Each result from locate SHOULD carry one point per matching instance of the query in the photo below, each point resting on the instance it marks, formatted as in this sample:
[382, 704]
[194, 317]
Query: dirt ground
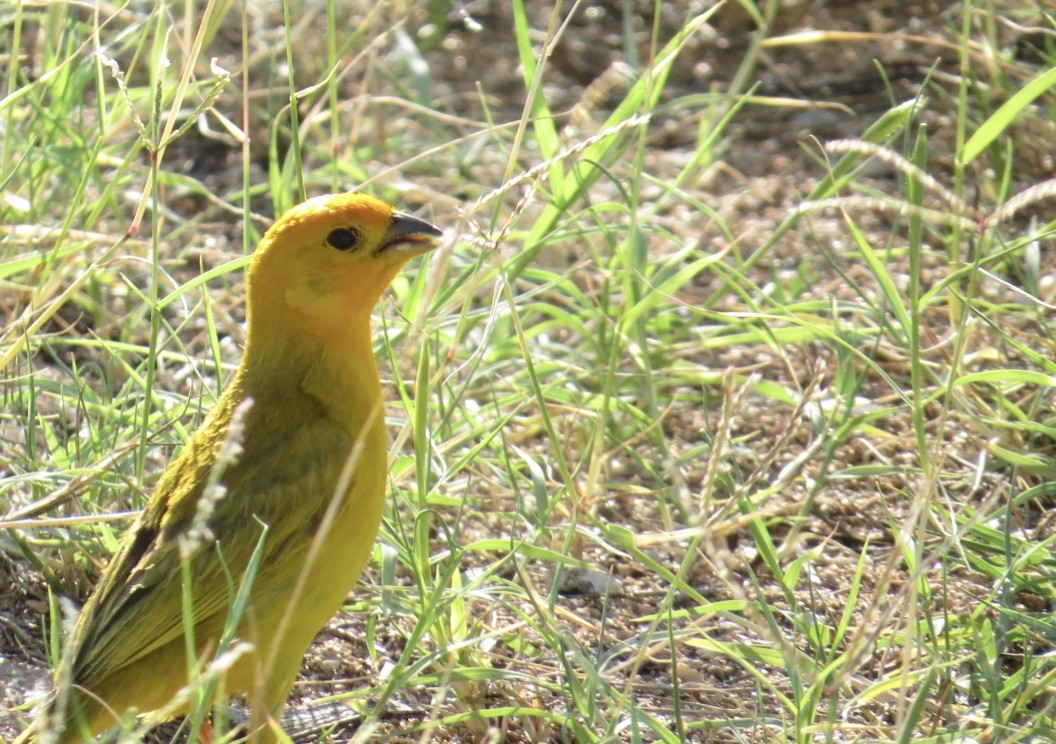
[769, 162]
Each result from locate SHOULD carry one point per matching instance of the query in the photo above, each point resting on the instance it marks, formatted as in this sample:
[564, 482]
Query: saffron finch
[307, 487]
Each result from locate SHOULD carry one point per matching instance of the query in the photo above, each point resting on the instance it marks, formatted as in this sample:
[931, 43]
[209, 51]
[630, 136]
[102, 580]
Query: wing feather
[142, 591]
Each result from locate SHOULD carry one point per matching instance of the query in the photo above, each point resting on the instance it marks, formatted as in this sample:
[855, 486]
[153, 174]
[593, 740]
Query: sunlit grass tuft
[681, 450]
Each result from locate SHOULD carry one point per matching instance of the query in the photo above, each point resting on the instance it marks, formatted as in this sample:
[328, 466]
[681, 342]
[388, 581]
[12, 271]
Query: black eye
[342, 239]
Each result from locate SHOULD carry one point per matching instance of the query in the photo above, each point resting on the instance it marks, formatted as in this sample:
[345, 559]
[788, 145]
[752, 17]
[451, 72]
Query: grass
[698, 433]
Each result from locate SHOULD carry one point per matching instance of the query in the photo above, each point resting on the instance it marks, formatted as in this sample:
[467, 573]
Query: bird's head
[321, 268]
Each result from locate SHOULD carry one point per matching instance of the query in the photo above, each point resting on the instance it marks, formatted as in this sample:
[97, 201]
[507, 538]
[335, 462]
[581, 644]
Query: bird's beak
[409, 236]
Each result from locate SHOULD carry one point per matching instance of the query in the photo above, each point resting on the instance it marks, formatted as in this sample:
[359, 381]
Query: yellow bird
[292, 458]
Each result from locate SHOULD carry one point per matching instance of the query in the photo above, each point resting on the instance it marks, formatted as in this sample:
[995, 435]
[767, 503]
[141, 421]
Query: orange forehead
[323, 213]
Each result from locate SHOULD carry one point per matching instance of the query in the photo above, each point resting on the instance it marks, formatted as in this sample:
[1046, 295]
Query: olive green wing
[138, 606]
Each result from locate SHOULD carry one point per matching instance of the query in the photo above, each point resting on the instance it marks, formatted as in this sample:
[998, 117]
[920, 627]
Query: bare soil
[769, 161]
